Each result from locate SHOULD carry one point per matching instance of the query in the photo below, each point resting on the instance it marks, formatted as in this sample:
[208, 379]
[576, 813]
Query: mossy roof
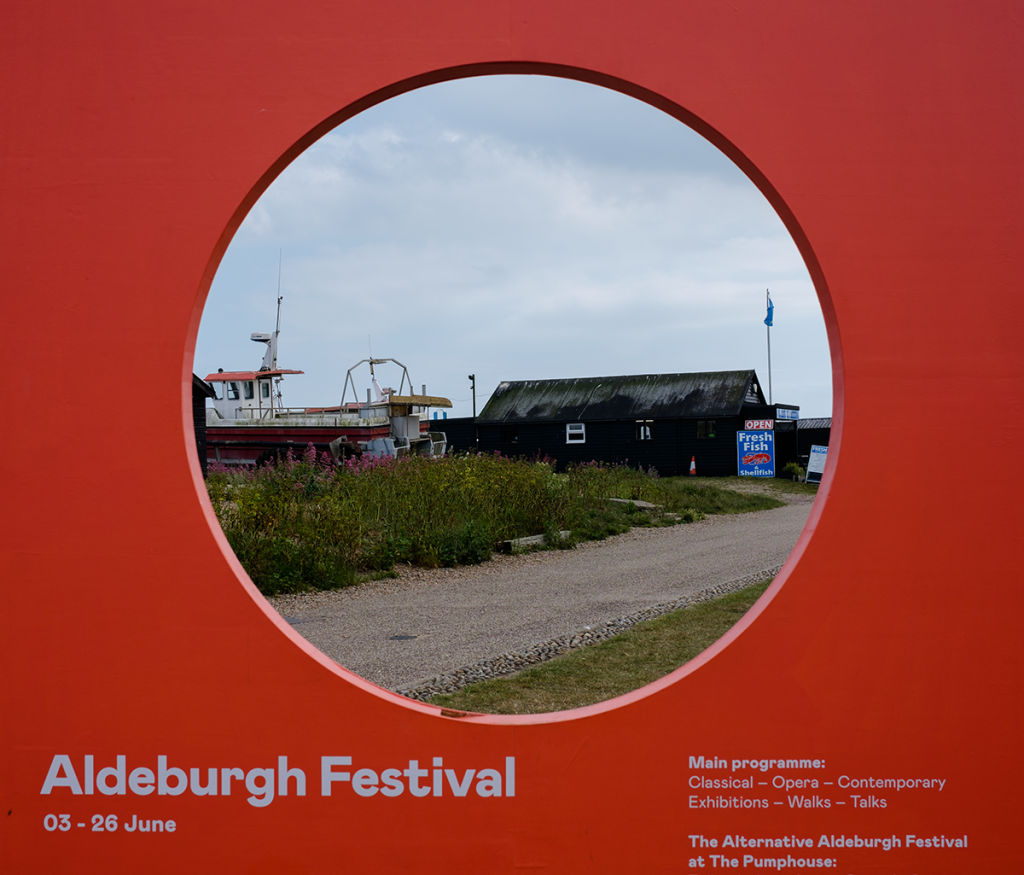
[646, 396]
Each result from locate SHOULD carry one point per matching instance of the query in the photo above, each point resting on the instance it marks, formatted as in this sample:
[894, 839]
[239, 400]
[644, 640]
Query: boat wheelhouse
[249, 420]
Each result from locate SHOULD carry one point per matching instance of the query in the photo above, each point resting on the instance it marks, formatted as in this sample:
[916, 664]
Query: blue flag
[771, 309]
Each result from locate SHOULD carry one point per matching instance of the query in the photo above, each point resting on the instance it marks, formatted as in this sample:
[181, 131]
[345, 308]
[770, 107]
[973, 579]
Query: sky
[515, 228]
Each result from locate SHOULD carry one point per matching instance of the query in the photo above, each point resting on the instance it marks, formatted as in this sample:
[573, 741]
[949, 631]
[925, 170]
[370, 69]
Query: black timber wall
[808, 437]
[199, 424]
[673, 443]
[460, 433]
[786, 444]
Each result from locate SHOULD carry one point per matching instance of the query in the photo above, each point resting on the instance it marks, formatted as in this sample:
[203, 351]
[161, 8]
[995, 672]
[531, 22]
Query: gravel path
[419, 632]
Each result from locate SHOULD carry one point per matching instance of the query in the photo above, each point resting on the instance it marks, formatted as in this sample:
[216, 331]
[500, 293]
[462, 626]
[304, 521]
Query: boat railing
[300, 416]
[266, 414]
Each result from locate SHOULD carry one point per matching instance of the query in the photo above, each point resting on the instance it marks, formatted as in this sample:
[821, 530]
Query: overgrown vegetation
[637, 657]
[306, 524]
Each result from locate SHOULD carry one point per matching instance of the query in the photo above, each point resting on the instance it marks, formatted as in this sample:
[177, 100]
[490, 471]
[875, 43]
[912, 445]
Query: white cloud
[517, 227]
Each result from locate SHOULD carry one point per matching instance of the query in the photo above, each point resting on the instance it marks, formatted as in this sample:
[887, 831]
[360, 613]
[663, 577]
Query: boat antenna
[277, 331]
[277, 328]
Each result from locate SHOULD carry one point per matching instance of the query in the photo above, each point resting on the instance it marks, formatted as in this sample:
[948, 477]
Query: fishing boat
[248, 422]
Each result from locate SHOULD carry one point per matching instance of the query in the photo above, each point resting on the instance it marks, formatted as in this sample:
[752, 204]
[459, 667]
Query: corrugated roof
[650, 396]
[825, 422]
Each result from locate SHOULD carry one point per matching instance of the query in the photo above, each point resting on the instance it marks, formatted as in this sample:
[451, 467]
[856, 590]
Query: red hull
[234, 445]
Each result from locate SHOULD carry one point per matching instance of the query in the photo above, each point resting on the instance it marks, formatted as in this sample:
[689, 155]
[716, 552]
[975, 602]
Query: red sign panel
[156, 715]
[758, 424]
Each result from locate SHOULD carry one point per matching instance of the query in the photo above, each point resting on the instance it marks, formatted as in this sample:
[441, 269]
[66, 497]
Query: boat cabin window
[247, 387]
[264, 388]
[218, 391]
[232, 391]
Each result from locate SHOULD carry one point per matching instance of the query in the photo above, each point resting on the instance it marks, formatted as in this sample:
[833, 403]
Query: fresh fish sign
[755, 453]
[816, 464]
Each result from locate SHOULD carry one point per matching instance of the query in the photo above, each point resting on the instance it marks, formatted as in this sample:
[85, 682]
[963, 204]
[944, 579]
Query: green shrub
[278, 564]
[469, 545]
[791, 470]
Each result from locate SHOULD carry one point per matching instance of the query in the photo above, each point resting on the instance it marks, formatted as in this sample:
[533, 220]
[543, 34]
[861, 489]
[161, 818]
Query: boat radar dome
[270, 357]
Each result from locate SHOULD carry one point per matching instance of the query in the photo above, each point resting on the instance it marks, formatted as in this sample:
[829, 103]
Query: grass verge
[639, 656]
[713, 496]
[766, 485]
[684, 500]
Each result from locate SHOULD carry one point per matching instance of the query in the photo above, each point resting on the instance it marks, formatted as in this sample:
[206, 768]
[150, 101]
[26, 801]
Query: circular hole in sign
[528, 313]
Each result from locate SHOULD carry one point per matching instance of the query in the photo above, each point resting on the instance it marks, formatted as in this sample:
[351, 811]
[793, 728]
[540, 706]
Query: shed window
[643, 429]
[575, 433]
[510, 434]
[247, 388]
[705, 428]
[232, 391]
[264, 388]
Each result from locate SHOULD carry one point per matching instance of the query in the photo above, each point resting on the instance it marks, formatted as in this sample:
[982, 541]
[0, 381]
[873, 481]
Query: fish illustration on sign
[756, 459]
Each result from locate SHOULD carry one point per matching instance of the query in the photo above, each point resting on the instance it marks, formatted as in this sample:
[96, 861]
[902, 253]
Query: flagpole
[768, 329]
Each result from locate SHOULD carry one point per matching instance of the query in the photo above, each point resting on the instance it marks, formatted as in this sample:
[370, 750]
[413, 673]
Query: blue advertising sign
[755, 453]
[787, 413]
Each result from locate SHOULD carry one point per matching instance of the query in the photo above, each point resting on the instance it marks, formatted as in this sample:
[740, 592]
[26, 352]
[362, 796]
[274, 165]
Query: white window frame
[575, 433]
[643, 429]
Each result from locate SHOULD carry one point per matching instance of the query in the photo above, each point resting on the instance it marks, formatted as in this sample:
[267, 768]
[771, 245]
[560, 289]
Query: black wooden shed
[201, 390]
[811, 432]
[653, 420]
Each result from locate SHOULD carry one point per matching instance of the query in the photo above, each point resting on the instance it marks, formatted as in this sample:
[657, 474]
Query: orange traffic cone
[693, 466]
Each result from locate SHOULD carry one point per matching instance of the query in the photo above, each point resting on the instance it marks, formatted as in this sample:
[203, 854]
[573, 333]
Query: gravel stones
[516, 660]
[518, 609]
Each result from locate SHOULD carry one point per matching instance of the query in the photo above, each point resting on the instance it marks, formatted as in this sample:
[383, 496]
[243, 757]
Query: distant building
[659, 420]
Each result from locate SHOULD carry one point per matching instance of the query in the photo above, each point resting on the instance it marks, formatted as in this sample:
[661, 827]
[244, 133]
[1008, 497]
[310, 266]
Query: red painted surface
[224, 376]
[887, 135]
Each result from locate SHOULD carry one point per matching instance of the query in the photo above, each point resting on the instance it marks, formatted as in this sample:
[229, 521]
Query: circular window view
[517, 394]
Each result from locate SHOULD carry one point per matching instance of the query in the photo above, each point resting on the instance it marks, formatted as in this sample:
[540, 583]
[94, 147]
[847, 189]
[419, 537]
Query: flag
[771, 309]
